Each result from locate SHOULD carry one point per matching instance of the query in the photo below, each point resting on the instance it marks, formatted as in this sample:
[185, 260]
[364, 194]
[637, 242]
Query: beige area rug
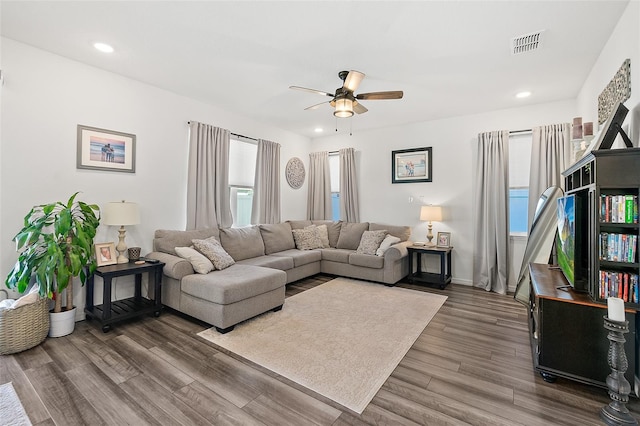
[11, 410]
[341, 339]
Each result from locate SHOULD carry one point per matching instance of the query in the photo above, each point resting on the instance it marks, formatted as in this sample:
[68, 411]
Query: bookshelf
[608, 183]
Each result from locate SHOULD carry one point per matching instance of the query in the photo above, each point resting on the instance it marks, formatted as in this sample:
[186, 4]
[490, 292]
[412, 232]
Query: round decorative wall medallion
[295, 172]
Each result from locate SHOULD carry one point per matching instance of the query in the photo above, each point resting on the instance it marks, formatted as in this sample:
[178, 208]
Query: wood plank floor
[471, 365]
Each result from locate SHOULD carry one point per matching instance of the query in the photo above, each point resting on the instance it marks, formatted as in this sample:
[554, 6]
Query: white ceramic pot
[62, 323]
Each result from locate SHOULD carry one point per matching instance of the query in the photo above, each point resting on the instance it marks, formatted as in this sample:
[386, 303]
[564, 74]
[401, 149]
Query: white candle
[616, 309]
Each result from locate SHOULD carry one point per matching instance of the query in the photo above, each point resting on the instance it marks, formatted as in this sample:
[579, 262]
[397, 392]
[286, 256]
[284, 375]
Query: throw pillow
[351, 234]
[201, 264]
[324, 235]
[306, 239]
[214, 251]
[388, 241]
[370, 242]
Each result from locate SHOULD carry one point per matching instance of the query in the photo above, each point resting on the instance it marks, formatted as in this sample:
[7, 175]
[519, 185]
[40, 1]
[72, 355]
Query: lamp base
[122, 247]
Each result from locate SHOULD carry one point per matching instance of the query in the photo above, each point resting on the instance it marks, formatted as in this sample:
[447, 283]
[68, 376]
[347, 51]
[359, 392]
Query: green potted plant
[55, 245]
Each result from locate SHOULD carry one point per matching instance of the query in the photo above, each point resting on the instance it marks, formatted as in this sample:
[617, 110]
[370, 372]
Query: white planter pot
[62, 323]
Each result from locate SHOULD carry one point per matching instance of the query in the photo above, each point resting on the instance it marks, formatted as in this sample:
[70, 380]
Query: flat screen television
[571, 227]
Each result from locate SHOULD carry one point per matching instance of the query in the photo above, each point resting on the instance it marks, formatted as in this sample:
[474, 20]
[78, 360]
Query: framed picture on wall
[411, 165]
[106, 254]
[100, 149]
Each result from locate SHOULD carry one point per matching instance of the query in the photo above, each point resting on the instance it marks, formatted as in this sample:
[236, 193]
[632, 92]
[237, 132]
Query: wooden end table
[119, 310]
[441, 279]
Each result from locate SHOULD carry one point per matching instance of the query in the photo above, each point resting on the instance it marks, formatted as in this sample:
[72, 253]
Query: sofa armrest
[174, 266]
[397, 251]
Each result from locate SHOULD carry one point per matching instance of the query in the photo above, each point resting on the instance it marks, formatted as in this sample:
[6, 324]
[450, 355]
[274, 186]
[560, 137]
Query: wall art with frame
[411, 165]
[101, 149]
[444, 239]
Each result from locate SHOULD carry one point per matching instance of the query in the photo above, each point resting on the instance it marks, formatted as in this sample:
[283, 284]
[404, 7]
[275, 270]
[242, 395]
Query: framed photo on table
[108, 150]
[106, 254]
[411, 165]
[444, 239]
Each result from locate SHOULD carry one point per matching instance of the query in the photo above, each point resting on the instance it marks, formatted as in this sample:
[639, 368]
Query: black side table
[119, 310]
[441, 279]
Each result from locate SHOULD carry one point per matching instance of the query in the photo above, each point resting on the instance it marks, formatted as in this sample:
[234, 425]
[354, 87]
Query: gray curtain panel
[208, 202]
[266, 189]
[319, 197]
[491, 212]
[550, 156]
[349, 206]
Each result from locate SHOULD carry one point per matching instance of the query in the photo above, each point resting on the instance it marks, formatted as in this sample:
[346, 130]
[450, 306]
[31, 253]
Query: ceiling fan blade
[358, 108]
[397, 94]
[353, 80]
[316, 106]
[304, 89]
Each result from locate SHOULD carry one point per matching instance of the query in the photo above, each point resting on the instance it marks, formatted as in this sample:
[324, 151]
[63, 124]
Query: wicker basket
[24, 327]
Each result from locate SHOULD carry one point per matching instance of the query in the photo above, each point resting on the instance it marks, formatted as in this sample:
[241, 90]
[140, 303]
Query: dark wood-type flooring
[471, 365]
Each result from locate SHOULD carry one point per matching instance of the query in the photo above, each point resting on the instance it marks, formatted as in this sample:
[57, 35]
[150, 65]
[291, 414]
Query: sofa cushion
[301, 257]
[201, 264]
[388, 241]
[333, 230]
[214, 251]
[270, 261]
[236, 283]
[350, 235]
[299, 224]
[336, 255]
[368, 261]
[307, 238]
[167, 240]
[370, 242]
[277, 237]
[402, 232]
[242, 243]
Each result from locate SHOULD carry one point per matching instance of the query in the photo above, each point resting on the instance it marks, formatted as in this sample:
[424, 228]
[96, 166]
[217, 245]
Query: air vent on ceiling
[527, 43]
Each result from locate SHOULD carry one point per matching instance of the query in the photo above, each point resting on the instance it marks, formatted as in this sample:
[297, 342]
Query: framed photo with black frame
[411, 165]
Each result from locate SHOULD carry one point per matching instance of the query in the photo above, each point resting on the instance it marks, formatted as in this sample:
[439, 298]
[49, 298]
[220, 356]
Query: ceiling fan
[344, 100]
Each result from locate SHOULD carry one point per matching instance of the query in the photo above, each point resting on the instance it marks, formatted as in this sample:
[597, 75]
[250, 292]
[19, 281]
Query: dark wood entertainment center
[566, 326]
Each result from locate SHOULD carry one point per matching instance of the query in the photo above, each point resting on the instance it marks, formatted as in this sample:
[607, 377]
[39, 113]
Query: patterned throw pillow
[215, 252]
[306, 239]
[201, 264]
[370, 242]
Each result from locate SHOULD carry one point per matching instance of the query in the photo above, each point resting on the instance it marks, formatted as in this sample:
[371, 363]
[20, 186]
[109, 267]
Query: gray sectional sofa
[266, 259]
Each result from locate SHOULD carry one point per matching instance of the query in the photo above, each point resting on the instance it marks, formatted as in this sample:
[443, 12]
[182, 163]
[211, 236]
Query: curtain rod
[521, 131]
[237, 135]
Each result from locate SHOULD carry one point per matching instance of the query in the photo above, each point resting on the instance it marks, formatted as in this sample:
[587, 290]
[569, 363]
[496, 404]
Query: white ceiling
[449, 57]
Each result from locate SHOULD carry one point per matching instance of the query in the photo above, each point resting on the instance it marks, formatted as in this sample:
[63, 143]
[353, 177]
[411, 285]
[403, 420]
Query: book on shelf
[617, 247]
[619, 208]
[623, 285]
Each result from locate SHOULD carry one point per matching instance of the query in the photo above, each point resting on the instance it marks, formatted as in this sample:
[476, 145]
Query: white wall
[624, 43]
[453, 141]
[46, 96]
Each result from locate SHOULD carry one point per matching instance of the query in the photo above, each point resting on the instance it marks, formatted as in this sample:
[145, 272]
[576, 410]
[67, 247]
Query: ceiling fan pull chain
[351, 126]
[336, 124]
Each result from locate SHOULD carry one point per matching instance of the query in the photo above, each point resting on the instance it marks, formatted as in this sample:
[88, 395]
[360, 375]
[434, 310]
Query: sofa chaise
[265, 258]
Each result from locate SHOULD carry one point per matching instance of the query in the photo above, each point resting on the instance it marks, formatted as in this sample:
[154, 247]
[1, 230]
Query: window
[519, 165]
[334, 172]
[242, 171]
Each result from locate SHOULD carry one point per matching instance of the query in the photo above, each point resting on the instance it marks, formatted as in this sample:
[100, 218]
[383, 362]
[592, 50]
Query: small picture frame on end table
[444, 239]
[106, 254]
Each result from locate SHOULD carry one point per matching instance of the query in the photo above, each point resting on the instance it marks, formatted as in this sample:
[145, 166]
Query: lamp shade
[431, 213]
[120, 213]
[344, 108]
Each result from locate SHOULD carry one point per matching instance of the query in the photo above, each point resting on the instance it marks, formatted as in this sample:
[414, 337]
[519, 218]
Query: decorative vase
[62, 323]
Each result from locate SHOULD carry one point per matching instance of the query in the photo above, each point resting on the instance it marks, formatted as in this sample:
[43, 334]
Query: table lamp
[431, 213]
[123, 214]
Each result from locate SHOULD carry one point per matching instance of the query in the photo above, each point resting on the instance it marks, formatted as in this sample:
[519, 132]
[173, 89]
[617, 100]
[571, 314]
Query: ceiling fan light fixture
[344, 108]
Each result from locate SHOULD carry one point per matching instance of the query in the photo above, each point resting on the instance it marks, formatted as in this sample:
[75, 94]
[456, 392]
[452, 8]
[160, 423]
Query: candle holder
[616, 413]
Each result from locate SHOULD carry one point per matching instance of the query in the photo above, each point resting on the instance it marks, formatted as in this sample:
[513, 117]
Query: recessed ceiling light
[318, 130]
[103, 47]
[522, 95]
